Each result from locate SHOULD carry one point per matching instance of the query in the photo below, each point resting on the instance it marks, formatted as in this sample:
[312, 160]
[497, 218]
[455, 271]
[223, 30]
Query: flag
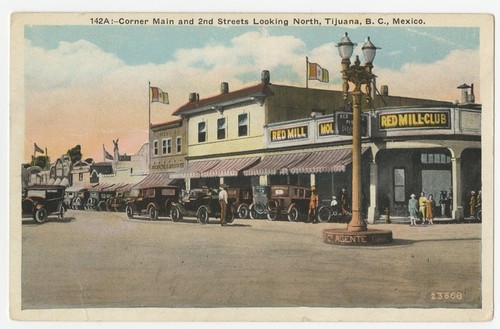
[316, 72]
[38, 149]
[158, 95]
[106, 154]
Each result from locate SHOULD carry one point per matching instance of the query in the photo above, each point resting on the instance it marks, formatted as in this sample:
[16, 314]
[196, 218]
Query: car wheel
[40, 215]
[130, 211]
[293, 214]
[243, 211]
[61, 213]
[153, 213]
[479, 215]
[253, 214]
[324, 214]
[175, 214]
[259, 208]
[272, 215]
[202, 215]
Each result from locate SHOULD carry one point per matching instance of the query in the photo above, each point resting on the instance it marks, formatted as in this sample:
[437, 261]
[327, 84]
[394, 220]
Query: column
[456, 171]
[373, 213]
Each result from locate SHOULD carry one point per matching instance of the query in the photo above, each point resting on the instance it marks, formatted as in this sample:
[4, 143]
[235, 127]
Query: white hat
[412, 196]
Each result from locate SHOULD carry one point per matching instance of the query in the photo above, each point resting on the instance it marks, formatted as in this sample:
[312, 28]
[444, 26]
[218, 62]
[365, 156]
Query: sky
[88, 84]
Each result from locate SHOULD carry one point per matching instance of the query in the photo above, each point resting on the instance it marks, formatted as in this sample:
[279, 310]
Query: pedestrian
[313, 205]
[413, 209]
[421, 206]
[472, 204]
[343, 204]
[223, 204]
[429, 206]
[442, 201]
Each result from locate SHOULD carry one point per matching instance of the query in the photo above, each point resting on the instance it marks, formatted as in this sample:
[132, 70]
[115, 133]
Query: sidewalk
[406, 220]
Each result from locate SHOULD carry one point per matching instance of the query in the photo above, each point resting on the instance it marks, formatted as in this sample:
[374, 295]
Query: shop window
[155, 147]
[435, 158]
[202, 132]
[399, 185]
[178, 144]
[221, 128]
[243, 124]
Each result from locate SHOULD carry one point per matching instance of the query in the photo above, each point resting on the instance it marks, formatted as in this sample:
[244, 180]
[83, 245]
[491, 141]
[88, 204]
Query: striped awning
[154, 180]
[325, 161]
[276, 164]
[194, 169]
[100, 187]
[230, 167]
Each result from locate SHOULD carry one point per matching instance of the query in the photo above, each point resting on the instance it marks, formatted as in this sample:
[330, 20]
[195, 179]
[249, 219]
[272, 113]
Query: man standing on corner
[223, 205]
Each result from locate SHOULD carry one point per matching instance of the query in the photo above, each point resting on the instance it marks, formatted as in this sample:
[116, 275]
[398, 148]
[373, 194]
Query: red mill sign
[286, 134]
[414, 120]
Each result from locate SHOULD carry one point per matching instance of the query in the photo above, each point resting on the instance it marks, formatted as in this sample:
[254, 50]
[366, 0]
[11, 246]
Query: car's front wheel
[40, 215]
[175, 214]
[153, 213]
[130, 211]
[202, 215]
[293, 214]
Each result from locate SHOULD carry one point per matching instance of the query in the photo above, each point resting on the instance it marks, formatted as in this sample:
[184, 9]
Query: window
[166, 146]
[80, 177]
[178, 144]
[243, 124]
[399, 185]
[221, 128]
[155, 147]
[431, 158]
[202, 132]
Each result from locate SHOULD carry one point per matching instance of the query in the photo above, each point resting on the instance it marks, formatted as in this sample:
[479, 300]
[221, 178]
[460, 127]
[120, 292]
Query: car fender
[292, 205]
[180, 206]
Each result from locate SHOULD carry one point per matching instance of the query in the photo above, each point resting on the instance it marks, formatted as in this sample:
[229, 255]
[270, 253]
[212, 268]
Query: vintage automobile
[80, 199]
[202, 203]
[153, 202]
[260, 198]
[123, 195]
[41, 201]
[240, 199]
[99, 197]
[289, 200]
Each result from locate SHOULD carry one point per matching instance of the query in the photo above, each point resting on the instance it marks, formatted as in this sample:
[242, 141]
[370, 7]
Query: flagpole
[307, 81]
[149, 122]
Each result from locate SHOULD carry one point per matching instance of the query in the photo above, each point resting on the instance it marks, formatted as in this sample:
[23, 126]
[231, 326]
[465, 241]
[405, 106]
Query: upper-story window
[155, 147]
[243, 124]
[202, 132]
[221, 128]
[167, 146]
[435, 158]
[178, 144]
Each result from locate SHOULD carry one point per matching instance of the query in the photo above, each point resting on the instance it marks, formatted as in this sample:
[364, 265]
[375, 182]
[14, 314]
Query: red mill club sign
[414, 120]
[287, 134]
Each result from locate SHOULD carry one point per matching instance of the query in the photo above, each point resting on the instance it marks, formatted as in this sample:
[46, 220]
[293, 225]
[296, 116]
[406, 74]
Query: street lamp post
[359, 75]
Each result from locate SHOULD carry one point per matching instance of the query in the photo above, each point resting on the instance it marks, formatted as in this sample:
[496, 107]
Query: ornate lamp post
[358, 75]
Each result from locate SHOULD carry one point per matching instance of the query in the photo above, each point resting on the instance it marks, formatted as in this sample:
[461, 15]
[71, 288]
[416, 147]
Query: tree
[41, 161]
[75, 153]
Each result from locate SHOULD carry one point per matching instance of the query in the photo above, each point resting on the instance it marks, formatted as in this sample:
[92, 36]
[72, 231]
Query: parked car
[42, 201]
[202, 203]
[260, 198]
[153, 201]
[240, 199]
[123, 195]
[80, 199]
[289, 200]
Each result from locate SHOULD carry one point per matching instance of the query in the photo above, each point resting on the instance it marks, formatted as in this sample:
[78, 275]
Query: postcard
[251, 167]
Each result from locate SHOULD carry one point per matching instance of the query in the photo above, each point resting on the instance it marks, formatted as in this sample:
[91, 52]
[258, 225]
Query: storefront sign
[344, 124]
[326, 128]
[286, 134]
[414, 120]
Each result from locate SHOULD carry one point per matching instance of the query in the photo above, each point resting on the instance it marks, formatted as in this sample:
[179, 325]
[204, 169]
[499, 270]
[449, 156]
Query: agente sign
[286, 134]
[414, 120]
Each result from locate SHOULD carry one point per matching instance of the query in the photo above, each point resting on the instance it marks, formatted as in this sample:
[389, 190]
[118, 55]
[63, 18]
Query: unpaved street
[101, 259]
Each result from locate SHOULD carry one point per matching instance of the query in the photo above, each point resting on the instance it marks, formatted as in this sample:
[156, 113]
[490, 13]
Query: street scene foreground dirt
[102, 259]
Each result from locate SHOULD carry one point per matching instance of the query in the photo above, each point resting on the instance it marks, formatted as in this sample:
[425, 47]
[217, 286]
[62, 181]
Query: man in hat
[223, 204]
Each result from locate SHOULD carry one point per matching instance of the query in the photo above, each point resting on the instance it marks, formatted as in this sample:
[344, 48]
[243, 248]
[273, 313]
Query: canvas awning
[325, 161]
[154, 180]
[229, 167]
[276, 164]
[194, 169]
[100, 187]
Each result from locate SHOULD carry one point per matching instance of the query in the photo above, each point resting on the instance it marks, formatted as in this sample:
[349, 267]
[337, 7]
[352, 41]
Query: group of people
[421, 208]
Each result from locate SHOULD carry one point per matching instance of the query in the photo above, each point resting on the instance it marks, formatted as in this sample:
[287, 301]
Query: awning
[325, 161]
[194, 169]
[230, 167]
[154, 180]
[100, 187]
[276, 164]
